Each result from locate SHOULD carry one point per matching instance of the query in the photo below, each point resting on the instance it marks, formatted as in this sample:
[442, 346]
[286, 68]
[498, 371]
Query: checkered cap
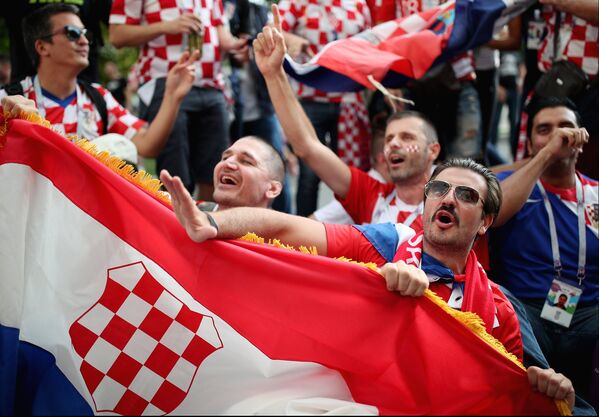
[159, 55]
[321, 22]
[353, 137]
[140, 345]
[578, 41]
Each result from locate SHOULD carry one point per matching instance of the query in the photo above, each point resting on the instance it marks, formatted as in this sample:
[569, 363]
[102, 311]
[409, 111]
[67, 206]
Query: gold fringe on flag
[471, 320]
[140, 178]
[151, 185]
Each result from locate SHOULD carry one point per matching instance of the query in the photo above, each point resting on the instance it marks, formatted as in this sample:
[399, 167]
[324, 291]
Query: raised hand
[567, 141]
[180, 78]
[269, 46]
[195, 222]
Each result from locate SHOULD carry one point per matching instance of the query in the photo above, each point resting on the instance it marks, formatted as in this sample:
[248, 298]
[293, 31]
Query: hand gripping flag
[106, 306]
[405, 48]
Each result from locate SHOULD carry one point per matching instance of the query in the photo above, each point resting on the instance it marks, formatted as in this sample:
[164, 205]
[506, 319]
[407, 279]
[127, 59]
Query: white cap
[117, 145]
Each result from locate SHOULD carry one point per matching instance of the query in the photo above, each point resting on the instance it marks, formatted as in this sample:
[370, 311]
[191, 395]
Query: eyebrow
[244, 153]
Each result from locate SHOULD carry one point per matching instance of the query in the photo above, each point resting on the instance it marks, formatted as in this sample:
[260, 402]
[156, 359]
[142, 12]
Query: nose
[449, 199]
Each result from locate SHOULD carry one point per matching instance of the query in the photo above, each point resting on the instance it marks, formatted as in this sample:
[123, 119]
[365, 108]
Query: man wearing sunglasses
[58, 47]
[546, 240]
[461, 201]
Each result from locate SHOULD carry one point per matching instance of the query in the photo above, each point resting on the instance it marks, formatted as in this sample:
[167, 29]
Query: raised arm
[562, 143]
[269, 50]
[121, 35]
[150, 141]
[236, 222]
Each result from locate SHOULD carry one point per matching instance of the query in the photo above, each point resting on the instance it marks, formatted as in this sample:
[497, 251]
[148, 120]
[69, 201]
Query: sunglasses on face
[73, 33]
[436, 189]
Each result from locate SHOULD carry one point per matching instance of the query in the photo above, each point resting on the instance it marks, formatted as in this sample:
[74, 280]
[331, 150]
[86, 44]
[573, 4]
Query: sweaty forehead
[249, 147]
[408, 124]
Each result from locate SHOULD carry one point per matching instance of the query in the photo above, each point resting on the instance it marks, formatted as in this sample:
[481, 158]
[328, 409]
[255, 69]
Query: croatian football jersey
[371, 201]
[578, 42]
[64, 117]
[322, 22]
[160, 54]
[521, 257]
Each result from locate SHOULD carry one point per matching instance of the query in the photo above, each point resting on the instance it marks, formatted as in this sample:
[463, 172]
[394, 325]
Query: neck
[561, 174]
[60, 84]
[411, 191]
[454, 259]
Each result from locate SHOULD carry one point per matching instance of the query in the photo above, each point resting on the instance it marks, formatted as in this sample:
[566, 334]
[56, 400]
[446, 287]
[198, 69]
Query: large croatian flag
[402, 49]
[106, 306]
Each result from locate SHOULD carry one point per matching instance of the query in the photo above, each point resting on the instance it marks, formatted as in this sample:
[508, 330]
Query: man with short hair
[411, 147]
[547, 238]
[250, 174]
[56, 42]
[462, 200]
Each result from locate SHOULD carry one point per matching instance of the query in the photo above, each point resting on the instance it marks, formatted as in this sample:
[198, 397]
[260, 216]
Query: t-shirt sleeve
[120, 120]
[347, 241]
[126, 12]
[362, 195]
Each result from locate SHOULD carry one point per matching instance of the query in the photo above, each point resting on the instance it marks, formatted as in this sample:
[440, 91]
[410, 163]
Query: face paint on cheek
[412, 148]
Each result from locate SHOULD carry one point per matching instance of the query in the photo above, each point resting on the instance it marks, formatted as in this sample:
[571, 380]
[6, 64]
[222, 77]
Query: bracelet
[212, 221]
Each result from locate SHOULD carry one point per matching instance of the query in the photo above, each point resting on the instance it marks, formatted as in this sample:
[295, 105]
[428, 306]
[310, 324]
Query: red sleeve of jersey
[362, 195]
[508, 331]
[346, 240]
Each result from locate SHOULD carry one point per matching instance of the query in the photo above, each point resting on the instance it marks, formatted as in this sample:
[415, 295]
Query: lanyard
[582, 237]
[81, 120]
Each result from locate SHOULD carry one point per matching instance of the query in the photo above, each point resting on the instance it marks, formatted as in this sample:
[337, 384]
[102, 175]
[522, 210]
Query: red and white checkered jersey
[463, 64]
[577, 42]
[321, 22]
[371, 201]
[65, 119]
[353, 132]
[159, 55]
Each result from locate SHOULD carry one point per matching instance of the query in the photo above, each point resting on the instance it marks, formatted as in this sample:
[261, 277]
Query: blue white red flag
[106, 306]
[405, 48]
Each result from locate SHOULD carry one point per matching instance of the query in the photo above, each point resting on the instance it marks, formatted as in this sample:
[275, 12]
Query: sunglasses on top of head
[436, 189]
[72, 33]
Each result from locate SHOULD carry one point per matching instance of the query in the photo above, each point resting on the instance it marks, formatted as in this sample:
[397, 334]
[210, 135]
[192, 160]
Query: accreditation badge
[561, 302]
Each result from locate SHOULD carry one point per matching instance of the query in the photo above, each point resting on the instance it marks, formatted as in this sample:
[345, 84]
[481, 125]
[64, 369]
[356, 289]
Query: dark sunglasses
[73, 33]
[436, 189]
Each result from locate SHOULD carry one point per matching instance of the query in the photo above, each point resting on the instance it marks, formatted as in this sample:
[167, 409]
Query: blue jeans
[533, 355]
[468, 140]
[324, 118]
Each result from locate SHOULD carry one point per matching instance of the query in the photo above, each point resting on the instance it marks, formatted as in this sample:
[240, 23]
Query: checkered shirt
[321, 22]
[159, 55]
[578, 42]
[353, 132]
[140, 345]
[463, 64]
[64, 119]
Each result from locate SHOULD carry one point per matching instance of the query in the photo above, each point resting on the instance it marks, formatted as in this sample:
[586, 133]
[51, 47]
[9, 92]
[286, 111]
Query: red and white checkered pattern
[141, 346]
[578, 42]
[159, 55]
[354, 133]
[64, 119]
[321, 22]
[463, 64]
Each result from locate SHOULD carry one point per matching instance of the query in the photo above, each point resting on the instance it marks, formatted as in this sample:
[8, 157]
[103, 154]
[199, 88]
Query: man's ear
[274, 189]
[435, 149]
[487, 222]
[41, 47]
